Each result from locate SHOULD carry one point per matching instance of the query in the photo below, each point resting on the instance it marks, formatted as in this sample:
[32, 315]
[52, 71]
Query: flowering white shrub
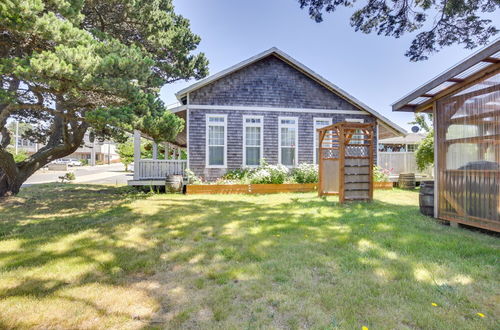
[381, 174]
[306, 173]
[191, 177]
[269, 174]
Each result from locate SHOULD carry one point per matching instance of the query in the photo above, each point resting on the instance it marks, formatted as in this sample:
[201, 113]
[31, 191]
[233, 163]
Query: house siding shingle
[197, 137]
[269, 82]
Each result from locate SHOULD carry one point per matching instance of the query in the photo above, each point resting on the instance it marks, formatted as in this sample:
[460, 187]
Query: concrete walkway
[100, 174]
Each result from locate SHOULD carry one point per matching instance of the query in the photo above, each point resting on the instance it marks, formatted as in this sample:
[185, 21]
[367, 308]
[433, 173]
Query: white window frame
[315, 133]
[296, 126]
[208, 123]
[355, 120]
[261, 126]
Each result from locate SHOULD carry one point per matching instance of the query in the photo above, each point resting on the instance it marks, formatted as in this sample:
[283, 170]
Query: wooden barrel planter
[406, 181]
[426, 198]
[173, 183]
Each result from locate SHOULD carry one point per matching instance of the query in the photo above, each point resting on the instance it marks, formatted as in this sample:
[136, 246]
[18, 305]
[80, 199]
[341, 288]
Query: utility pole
[17, 135]
[92, 154]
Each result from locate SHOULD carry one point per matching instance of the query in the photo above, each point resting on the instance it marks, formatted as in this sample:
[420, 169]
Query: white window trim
[355, 120]
[245, 125]
[207, 124]
[316, 132]
[296, 126]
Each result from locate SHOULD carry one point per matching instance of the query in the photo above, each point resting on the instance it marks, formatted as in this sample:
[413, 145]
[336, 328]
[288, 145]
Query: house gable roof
[300, 67]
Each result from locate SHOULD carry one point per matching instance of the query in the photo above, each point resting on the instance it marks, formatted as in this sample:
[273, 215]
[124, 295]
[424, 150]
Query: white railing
[152, 169]
[401, 162]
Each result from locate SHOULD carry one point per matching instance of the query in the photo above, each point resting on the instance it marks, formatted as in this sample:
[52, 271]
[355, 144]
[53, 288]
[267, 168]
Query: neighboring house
[465, 102]
[267, 107]
[105, 152]
[397, 154]
[406, 143]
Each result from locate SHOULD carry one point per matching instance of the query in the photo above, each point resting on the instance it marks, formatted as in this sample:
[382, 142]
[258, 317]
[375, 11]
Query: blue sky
[370, 67]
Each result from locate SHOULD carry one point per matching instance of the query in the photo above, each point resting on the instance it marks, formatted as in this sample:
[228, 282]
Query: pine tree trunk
[9, 188]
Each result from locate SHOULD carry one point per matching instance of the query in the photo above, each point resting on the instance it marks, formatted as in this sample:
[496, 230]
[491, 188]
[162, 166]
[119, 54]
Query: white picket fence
[151, 169]
[401, 162]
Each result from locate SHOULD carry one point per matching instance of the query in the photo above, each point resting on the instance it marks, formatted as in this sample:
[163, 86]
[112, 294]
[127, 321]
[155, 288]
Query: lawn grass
[81, 256]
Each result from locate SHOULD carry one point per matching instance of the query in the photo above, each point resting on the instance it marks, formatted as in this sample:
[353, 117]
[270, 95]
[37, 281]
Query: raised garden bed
[382, 185]
[193, 189]
[250, 188]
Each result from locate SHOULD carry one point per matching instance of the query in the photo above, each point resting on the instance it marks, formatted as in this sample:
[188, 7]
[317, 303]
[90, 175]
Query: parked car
[68, 161]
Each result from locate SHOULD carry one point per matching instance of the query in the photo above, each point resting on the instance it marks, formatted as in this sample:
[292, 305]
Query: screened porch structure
[346, 159]
[465, 102]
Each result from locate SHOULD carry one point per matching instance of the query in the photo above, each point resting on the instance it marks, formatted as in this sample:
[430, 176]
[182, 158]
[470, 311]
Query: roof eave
[404, 104]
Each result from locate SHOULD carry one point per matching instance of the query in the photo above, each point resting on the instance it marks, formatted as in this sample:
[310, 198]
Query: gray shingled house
[267, 107]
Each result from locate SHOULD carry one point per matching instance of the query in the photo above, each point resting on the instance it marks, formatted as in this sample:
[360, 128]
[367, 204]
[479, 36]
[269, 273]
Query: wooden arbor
[346, 161]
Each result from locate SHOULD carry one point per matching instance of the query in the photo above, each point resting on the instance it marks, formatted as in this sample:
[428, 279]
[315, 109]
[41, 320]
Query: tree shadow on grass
[236, 261]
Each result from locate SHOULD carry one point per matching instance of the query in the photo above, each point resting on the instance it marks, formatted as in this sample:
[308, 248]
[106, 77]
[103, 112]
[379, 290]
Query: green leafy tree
[20, 156]
[441, 22]
[70, 66]
[425, 152]
[421, 121]
[126, 152]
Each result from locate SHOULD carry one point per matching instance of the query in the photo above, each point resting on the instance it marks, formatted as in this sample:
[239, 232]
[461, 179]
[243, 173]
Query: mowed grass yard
[81, 256]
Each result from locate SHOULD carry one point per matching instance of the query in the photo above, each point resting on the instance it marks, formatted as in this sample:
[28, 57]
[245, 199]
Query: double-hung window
[288, 141]
[253, 138]
[356, 138]
[216, 138]
[319, 123]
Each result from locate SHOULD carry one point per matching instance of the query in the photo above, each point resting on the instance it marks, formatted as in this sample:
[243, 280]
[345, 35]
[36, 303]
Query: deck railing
[153, 169]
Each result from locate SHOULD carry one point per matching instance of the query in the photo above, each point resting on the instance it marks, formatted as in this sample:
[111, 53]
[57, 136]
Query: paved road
[101, 174]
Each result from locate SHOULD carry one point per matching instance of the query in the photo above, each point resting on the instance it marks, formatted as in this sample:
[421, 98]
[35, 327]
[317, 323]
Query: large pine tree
[440, 22]
[70, 66]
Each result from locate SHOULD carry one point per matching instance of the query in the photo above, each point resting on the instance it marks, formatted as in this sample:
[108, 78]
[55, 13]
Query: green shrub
[21, 154]
[425, 152]
[126, 153]
[240, 174]
[380, 174]
[191, 177]
[70, 176]
[306, 173]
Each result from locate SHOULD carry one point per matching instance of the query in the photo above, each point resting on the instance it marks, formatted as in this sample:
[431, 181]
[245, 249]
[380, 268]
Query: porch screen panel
[468, 135]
